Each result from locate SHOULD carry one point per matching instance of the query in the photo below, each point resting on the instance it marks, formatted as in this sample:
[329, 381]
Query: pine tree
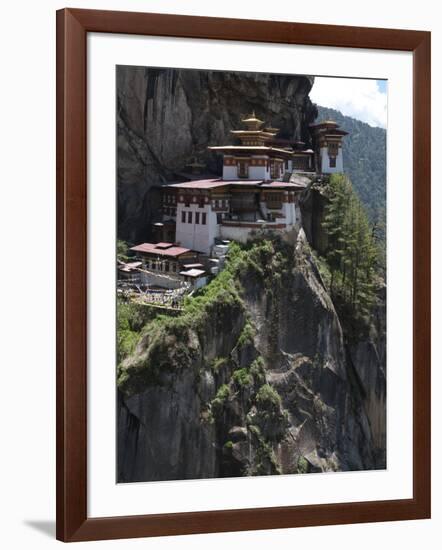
[352, 254]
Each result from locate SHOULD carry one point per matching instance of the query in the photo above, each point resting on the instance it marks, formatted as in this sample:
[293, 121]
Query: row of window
[170, 199]
[169, 211]
[188, 199]
[276, 169]
[221, 203]
[158, 265]
[200, 217]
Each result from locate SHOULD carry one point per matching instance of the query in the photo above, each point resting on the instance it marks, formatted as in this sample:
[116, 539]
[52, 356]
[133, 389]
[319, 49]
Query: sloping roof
[172, 251]
[212, 184]
[255, 148]
[127, 268]
[193, 272]
[324, 123]
[198, 184]
[190, 266]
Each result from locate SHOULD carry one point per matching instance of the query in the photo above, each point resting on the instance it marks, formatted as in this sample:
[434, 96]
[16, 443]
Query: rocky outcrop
[313, 205]
[256, 380]
[165, 117]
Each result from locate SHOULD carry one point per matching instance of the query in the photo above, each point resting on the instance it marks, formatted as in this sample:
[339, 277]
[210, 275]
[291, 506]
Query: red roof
[210, 184]
[199, 184]
[149, 248]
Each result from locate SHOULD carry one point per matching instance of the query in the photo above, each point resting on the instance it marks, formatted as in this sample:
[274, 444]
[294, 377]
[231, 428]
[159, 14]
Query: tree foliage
[364, 152]
[352, 252]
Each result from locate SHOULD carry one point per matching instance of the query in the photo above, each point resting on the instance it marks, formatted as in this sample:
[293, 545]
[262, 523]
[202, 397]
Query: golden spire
[252, 122]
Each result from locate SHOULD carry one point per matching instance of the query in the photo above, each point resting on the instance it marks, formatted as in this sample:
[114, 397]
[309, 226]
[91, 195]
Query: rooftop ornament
[252, 122]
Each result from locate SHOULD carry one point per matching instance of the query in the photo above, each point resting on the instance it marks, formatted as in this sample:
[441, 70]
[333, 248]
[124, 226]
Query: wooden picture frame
[73, 523]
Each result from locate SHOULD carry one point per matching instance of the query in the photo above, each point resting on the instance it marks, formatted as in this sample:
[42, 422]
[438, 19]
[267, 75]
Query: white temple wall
[169, 282]
[288, 209]
[257, 172]
[232, 233]
[196, 236]
[230, 172]
[263, 208]
[325, 162]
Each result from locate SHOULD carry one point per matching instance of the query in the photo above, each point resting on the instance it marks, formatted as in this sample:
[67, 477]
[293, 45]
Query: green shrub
[267, 398]
[247, 335]
[218, 363]
[122, 250]
[242, 378]
[257, 370]
[218, 403]
[302, 467]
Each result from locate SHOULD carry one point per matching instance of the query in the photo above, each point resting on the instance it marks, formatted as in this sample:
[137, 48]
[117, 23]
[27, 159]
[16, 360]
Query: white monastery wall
[288, 209]
[325, 162]
[239, 234]
[165, 282]
[196, 236]
[257, 172]
[230, 173]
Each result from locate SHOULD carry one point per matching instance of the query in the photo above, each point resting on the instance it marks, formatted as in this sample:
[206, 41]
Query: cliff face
[257, 379]
[165, 117]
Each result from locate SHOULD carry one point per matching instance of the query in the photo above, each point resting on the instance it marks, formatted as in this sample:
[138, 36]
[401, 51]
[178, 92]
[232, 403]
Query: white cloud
[355, 97]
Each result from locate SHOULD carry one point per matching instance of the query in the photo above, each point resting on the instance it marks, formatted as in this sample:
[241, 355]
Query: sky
[359, 98]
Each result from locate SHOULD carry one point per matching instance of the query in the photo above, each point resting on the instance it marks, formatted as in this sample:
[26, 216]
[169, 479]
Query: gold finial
[252, 121]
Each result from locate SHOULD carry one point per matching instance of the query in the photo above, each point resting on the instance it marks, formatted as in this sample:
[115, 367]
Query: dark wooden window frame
[73, 524]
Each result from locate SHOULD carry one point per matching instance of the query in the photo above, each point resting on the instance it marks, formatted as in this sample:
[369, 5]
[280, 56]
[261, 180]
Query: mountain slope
[254, 378]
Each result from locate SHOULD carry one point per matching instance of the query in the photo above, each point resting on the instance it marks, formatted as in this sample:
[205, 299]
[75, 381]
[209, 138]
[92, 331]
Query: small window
[183, 216]
[204, 218]
[197, 217]
[189, 218]
[219, 218]
[332, 162]
[243, 169]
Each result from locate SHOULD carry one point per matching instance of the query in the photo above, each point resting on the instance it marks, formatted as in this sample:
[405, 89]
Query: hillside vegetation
[256, 375]
[364, 153]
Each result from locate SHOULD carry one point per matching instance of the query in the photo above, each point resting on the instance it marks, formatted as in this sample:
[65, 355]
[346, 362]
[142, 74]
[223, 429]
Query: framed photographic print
[243, 282]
